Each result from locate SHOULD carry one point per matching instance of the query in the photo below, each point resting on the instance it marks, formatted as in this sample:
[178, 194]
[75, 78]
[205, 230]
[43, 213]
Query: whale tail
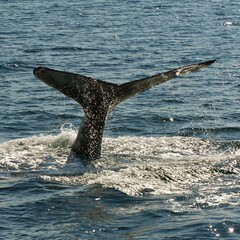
[98, 98]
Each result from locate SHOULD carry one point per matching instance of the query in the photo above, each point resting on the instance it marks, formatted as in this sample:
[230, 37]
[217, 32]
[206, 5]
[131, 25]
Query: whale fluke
[98, 98]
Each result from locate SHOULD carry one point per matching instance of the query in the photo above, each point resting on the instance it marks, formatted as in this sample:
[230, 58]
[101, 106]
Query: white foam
[133, 165]
[227, 23]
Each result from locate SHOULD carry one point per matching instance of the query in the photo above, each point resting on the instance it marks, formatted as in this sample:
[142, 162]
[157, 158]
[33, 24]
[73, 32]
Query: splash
[133, 165]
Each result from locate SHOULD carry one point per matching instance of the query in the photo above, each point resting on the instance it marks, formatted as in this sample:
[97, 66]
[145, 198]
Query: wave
[132, 165]
[222, 132]
[190, 131]
[60, 49]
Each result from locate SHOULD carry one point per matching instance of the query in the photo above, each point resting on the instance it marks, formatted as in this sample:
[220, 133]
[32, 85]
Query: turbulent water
[170, 166]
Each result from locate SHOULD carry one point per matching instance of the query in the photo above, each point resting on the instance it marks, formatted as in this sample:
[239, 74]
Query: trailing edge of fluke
[98, 98]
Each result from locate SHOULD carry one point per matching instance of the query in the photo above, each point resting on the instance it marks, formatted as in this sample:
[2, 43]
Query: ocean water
[170, 166]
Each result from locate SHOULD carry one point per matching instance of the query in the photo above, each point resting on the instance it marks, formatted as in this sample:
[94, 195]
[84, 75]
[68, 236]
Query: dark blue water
[170, 164]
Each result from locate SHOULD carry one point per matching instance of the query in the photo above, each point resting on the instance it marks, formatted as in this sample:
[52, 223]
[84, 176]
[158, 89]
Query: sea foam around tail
[133, 165]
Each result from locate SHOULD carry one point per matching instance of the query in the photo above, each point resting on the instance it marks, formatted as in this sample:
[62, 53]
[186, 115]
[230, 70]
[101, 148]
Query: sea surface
[170, 166]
